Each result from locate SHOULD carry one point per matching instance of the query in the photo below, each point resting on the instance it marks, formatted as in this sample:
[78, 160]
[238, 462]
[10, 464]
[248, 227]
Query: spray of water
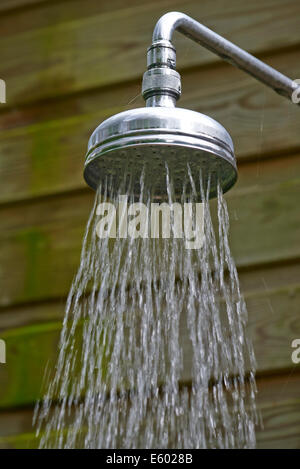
[153, 351]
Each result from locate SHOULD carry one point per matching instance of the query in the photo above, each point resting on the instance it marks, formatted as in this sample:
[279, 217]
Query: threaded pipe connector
[161, 54]
[162, 83]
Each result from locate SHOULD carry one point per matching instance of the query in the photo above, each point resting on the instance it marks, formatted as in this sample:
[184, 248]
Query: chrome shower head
[161, 134]
[156, 138]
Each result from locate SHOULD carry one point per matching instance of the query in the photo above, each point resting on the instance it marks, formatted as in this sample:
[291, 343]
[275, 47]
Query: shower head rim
[188, 133]
[95, 157]
[173, 136]
[160, 119]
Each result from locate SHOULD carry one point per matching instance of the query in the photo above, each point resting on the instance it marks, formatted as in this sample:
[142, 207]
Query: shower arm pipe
[161, 84]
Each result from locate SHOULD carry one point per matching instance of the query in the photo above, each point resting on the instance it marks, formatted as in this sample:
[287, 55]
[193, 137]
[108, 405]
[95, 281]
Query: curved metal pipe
[175, 21]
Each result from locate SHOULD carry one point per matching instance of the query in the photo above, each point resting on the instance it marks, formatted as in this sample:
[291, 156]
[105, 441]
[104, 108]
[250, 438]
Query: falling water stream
[153, 351]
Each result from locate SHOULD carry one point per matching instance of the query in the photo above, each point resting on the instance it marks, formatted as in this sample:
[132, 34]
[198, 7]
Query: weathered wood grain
[254, 280]
[9, 5]
[42, 148]
[62, 48]
[255, 283]
[15, 421]
[89, 62]
[260, 232]
[259, 278]
[273, 325]
[41, 239]
[29, 353]
[32, 313]
[278, 400]
[67, 68]
[274, 322]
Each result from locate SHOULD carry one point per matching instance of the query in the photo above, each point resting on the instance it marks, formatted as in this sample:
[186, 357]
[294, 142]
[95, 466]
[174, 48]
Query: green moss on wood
[29, 351]
[35, 247]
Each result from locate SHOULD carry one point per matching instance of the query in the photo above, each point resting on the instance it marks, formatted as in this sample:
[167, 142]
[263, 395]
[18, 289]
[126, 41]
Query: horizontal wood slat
[254, 283]
[30, 351]
[67, 68]
[32, 313]
[11, 5]
[42, 148]
[14, 422]
[63, 48]
[41, 240]
[278, 400]
[32, 345]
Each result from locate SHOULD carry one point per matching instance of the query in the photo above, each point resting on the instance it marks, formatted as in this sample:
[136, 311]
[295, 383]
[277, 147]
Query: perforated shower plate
[148, 138]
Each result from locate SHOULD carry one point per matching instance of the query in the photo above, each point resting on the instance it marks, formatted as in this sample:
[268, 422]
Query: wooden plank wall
[68, 67]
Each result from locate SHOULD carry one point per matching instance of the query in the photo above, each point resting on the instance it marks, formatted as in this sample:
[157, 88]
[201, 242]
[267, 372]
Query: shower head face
[153, 139]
